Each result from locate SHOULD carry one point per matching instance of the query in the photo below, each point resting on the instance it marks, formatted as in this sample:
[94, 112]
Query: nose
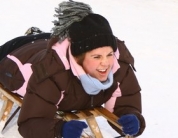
[104, 61]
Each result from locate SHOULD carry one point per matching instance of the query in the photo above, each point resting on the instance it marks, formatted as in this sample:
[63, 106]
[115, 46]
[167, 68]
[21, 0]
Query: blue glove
[73, 129]
[130, 124]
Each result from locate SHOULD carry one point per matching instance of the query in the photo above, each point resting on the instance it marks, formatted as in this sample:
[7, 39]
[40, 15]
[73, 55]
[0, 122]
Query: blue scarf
[93, 86]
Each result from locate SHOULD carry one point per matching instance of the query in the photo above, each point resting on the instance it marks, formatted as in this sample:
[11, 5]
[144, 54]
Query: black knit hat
[92, 32]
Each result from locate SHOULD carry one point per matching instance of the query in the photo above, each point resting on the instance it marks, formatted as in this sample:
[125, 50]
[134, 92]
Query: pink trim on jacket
[76, 68]
[26, 71]
[62, 96]
[61, 49]
[109, 105]
[116, 65]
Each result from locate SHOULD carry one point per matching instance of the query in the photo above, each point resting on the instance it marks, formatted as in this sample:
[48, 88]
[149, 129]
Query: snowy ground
[149, 29]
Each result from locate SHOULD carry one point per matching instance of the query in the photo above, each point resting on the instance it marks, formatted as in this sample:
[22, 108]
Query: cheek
[111, 61]
[90, 66]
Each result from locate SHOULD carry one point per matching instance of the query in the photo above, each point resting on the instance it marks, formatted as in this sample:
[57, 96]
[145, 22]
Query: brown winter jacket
[49, 79]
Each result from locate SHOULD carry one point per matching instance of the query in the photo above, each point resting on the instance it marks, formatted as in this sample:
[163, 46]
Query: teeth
[102, 70]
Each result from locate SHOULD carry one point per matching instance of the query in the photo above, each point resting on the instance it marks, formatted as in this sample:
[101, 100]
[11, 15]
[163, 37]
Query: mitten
[73, 129]
[130, 124]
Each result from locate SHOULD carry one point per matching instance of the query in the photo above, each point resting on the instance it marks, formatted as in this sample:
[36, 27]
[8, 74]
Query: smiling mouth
[102, 71]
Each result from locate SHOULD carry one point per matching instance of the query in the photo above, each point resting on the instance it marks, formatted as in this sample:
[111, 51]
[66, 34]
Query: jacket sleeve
[37, 116]
[41, 128]
[130, 100]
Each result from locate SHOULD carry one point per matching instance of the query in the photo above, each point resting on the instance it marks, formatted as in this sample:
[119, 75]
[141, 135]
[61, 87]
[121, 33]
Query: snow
[149, 29]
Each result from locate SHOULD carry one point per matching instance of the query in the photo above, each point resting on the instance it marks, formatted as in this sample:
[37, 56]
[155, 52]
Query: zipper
[92, 101]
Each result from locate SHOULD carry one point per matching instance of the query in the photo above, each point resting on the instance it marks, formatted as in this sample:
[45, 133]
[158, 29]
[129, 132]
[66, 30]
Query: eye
[111, 54]
[96, 57]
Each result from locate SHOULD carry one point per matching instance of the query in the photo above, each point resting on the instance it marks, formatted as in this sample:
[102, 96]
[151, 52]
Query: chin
[103, 79]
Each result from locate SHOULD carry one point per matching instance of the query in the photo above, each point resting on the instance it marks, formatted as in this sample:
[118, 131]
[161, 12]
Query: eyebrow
[100, 55]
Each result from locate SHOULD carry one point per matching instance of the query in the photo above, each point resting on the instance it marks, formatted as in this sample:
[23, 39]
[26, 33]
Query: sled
[89, 116]
[9, 99]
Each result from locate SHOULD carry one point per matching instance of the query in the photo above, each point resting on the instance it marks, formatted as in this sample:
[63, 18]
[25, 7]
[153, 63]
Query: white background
[150, 31]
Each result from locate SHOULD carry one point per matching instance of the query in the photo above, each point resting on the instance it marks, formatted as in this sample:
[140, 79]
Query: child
[84, 66]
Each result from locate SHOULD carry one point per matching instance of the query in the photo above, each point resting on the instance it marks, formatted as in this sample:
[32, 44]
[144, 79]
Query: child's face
[98, 62]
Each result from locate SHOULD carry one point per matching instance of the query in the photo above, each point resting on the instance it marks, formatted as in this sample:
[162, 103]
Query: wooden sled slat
[89, 116]
[110, 117]
[9, 99]
[11, 96]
